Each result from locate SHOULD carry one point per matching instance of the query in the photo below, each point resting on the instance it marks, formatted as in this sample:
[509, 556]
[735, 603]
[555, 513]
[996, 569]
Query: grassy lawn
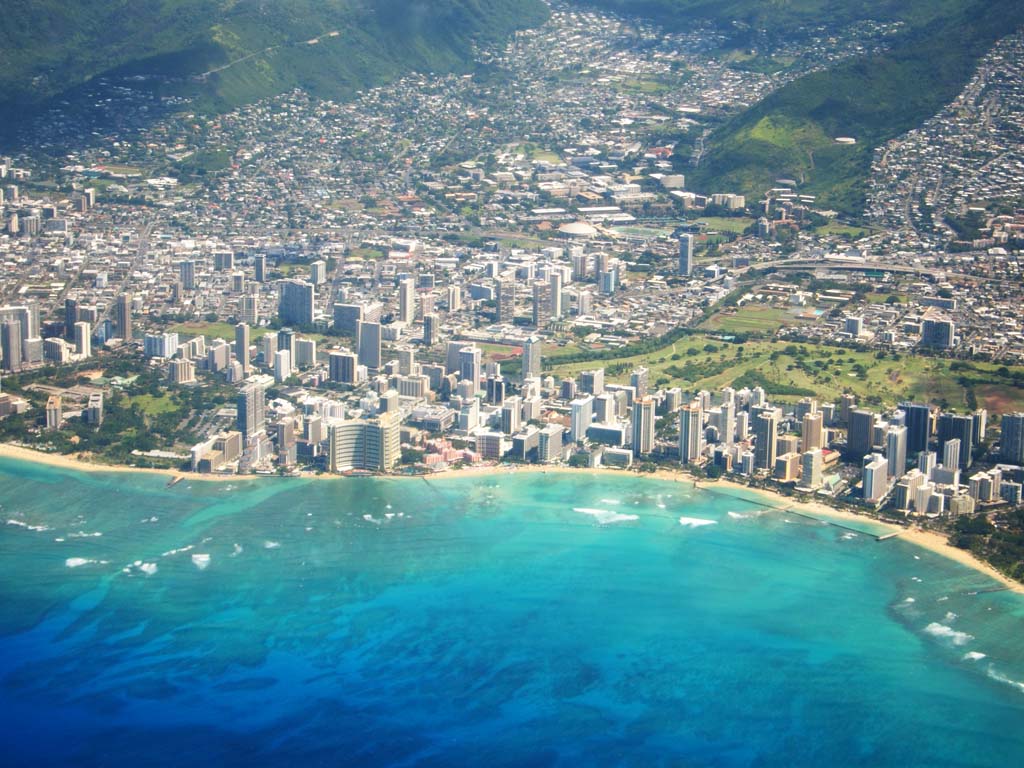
[492, 352]
[736, 225]
[826, 371]
[835, 228]
[750, 318]
[545, 156]
[365, 253]
[883, 298]
[645, 86]
[124, 170]
[215, 330]
[154, 406]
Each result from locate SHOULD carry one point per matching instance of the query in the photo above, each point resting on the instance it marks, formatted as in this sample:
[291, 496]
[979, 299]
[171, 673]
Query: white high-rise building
[407, 300]
[470, 367]
[318, 272]
[282, 365]
[874, 477]
[581, 416]
[896, 450]
[83, 339]
[555, 282]
[811, 464]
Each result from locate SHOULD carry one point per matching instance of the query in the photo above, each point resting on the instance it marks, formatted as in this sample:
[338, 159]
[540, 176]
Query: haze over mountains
[222, 53]
[229, 52]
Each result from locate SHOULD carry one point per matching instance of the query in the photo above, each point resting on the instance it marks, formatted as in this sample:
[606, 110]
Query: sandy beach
[83, 462]
[930, 540]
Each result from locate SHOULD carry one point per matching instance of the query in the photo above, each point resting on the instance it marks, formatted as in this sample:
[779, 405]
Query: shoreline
[926, 539]
[81, 463]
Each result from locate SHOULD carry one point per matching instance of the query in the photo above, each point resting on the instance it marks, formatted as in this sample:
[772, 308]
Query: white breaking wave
[78, 562]
[974, 656]
[695, 522]
[948, 633]
[611, 501]
[237, 550]
[910, 600]
[201, 561]
[271, 544]
[848, 535]
[27, 526]
[746, 515]
[1000, 677]
[605, 516]
[177, 551]
[371, 519]
[147, 568]
[950, 617]
[84, 535]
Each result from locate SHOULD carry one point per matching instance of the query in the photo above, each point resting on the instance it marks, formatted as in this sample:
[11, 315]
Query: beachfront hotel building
[251, 409]
[367, 444]
[643, 426]
[691, 434]
[580, 417]
[765, 429]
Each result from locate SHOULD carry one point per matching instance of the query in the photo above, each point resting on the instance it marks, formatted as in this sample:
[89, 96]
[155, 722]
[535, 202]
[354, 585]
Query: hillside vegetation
[247, 49]
[791, 134]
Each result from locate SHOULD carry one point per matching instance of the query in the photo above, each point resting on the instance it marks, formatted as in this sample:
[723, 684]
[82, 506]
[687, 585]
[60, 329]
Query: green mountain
[229, 52]
[791, 134]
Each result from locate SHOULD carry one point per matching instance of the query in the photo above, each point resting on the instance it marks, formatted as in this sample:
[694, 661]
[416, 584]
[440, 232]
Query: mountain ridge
[247, 49]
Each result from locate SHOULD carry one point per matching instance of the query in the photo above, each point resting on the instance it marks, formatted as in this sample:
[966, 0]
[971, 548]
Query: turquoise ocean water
[509, 619]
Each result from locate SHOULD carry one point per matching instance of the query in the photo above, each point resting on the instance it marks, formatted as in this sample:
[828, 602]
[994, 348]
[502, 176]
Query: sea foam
[941, 630]
[179, 550]
[695, 522]
[973, 656]
[1001, 678]
[201, 561]
[605, 516]
[746, 515]
[27, 526]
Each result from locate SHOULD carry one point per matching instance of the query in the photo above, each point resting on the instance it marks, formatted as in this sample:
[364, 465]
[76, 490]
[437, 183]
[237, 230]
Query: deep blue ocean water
[510, 619]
